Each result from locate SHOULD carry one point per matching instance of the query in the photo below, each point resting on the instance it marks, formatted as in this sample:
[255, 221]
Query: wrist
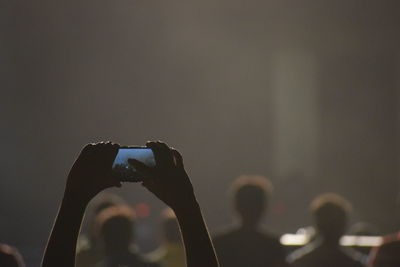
[75, 200]
[188, 207]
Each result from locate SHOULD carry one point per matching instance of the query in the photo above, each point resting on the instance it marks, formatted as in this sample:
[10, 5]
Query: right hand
[168, 179]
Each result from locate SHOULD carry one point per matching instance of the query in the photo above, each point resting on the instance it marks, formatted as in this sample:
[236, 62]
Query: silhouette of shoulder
[388, 253]
[239, 247]
[240, 235]
[10, 256]
[316, 254]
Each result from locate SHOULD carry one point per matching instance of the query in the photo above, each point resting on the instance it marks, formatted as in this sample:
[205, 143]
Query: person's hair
[103, 201]
[115, 225]
[250, 195]
[330, 213]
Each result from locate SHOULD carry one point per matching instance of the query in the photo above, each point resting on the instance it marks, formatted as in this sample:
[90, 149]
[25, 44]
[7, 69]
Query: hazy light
[347, 240]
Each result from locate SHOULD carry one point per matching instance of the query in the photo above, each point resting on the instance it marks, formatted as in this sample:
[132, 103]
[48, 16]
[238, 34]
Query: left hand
[91, 172]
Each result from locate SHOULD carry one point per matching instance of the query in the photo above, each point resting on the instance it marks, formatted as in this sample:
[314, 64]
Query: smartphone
[126, 172]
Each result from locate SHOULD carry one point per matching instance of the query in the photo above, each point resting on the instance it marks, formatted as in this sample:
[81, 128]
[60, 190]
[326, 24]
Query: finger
[157, 156]
[178, 158]
[163, 146]
[111, 150]
[100, 145]
[97, 147]
[162, 154]
[87, 150]
[147, 186]
[106, 153]
[115, 147]
[87, 147]
[140, 167]
[110, 146]
[117, 182]
[148, 183]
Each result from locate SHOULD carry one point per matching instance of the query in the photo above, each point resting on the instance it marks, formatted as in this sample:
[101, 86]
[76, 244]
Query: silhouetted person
[330, 213]
[116, 227]
[90, 248]
[171, 252]
[247, 244]
[10, 257]
[91, 173]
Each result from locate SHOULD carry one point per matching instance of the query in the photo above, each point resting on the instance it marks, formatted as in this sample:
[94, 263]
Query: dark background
[303, 92]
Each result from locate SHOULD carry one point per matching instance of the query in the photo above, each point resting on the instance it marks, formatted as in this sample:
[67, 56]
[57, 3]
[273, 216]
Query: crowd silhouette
[330, 213]
[109, 240]
[90, 247]
[246, 244]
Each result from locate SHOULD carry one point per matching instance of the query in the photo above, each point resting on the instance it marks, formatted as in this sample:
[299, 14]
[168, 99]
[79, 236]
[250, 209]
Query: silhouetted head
[170, 227]
[250, 197]
[330, 213]
[97, 205]
[115, 226]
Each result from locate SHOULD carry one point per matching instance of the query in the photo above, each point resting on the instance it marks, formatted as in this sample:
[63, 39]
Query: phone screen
[126, 172]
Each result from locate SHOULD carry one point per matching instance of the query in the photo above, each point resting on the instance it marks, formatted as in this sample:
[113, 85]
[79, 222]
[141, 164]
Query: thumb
[140, 166]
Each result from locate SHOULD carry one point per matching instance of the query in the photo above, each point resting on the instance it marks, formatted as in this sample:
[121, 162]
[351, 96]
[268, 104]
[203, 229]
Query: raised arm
[170, 183]
[90, 174]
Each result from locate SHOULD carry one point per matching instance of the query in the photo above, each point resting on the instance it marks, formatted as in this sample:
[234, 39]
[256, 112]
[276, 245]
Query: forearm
[61, 247]
[198, 245]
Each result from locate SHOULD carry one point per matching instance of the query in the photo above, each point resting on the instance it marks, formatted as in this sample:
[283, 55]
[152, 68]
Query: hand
[168, 179]
[91, 172]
